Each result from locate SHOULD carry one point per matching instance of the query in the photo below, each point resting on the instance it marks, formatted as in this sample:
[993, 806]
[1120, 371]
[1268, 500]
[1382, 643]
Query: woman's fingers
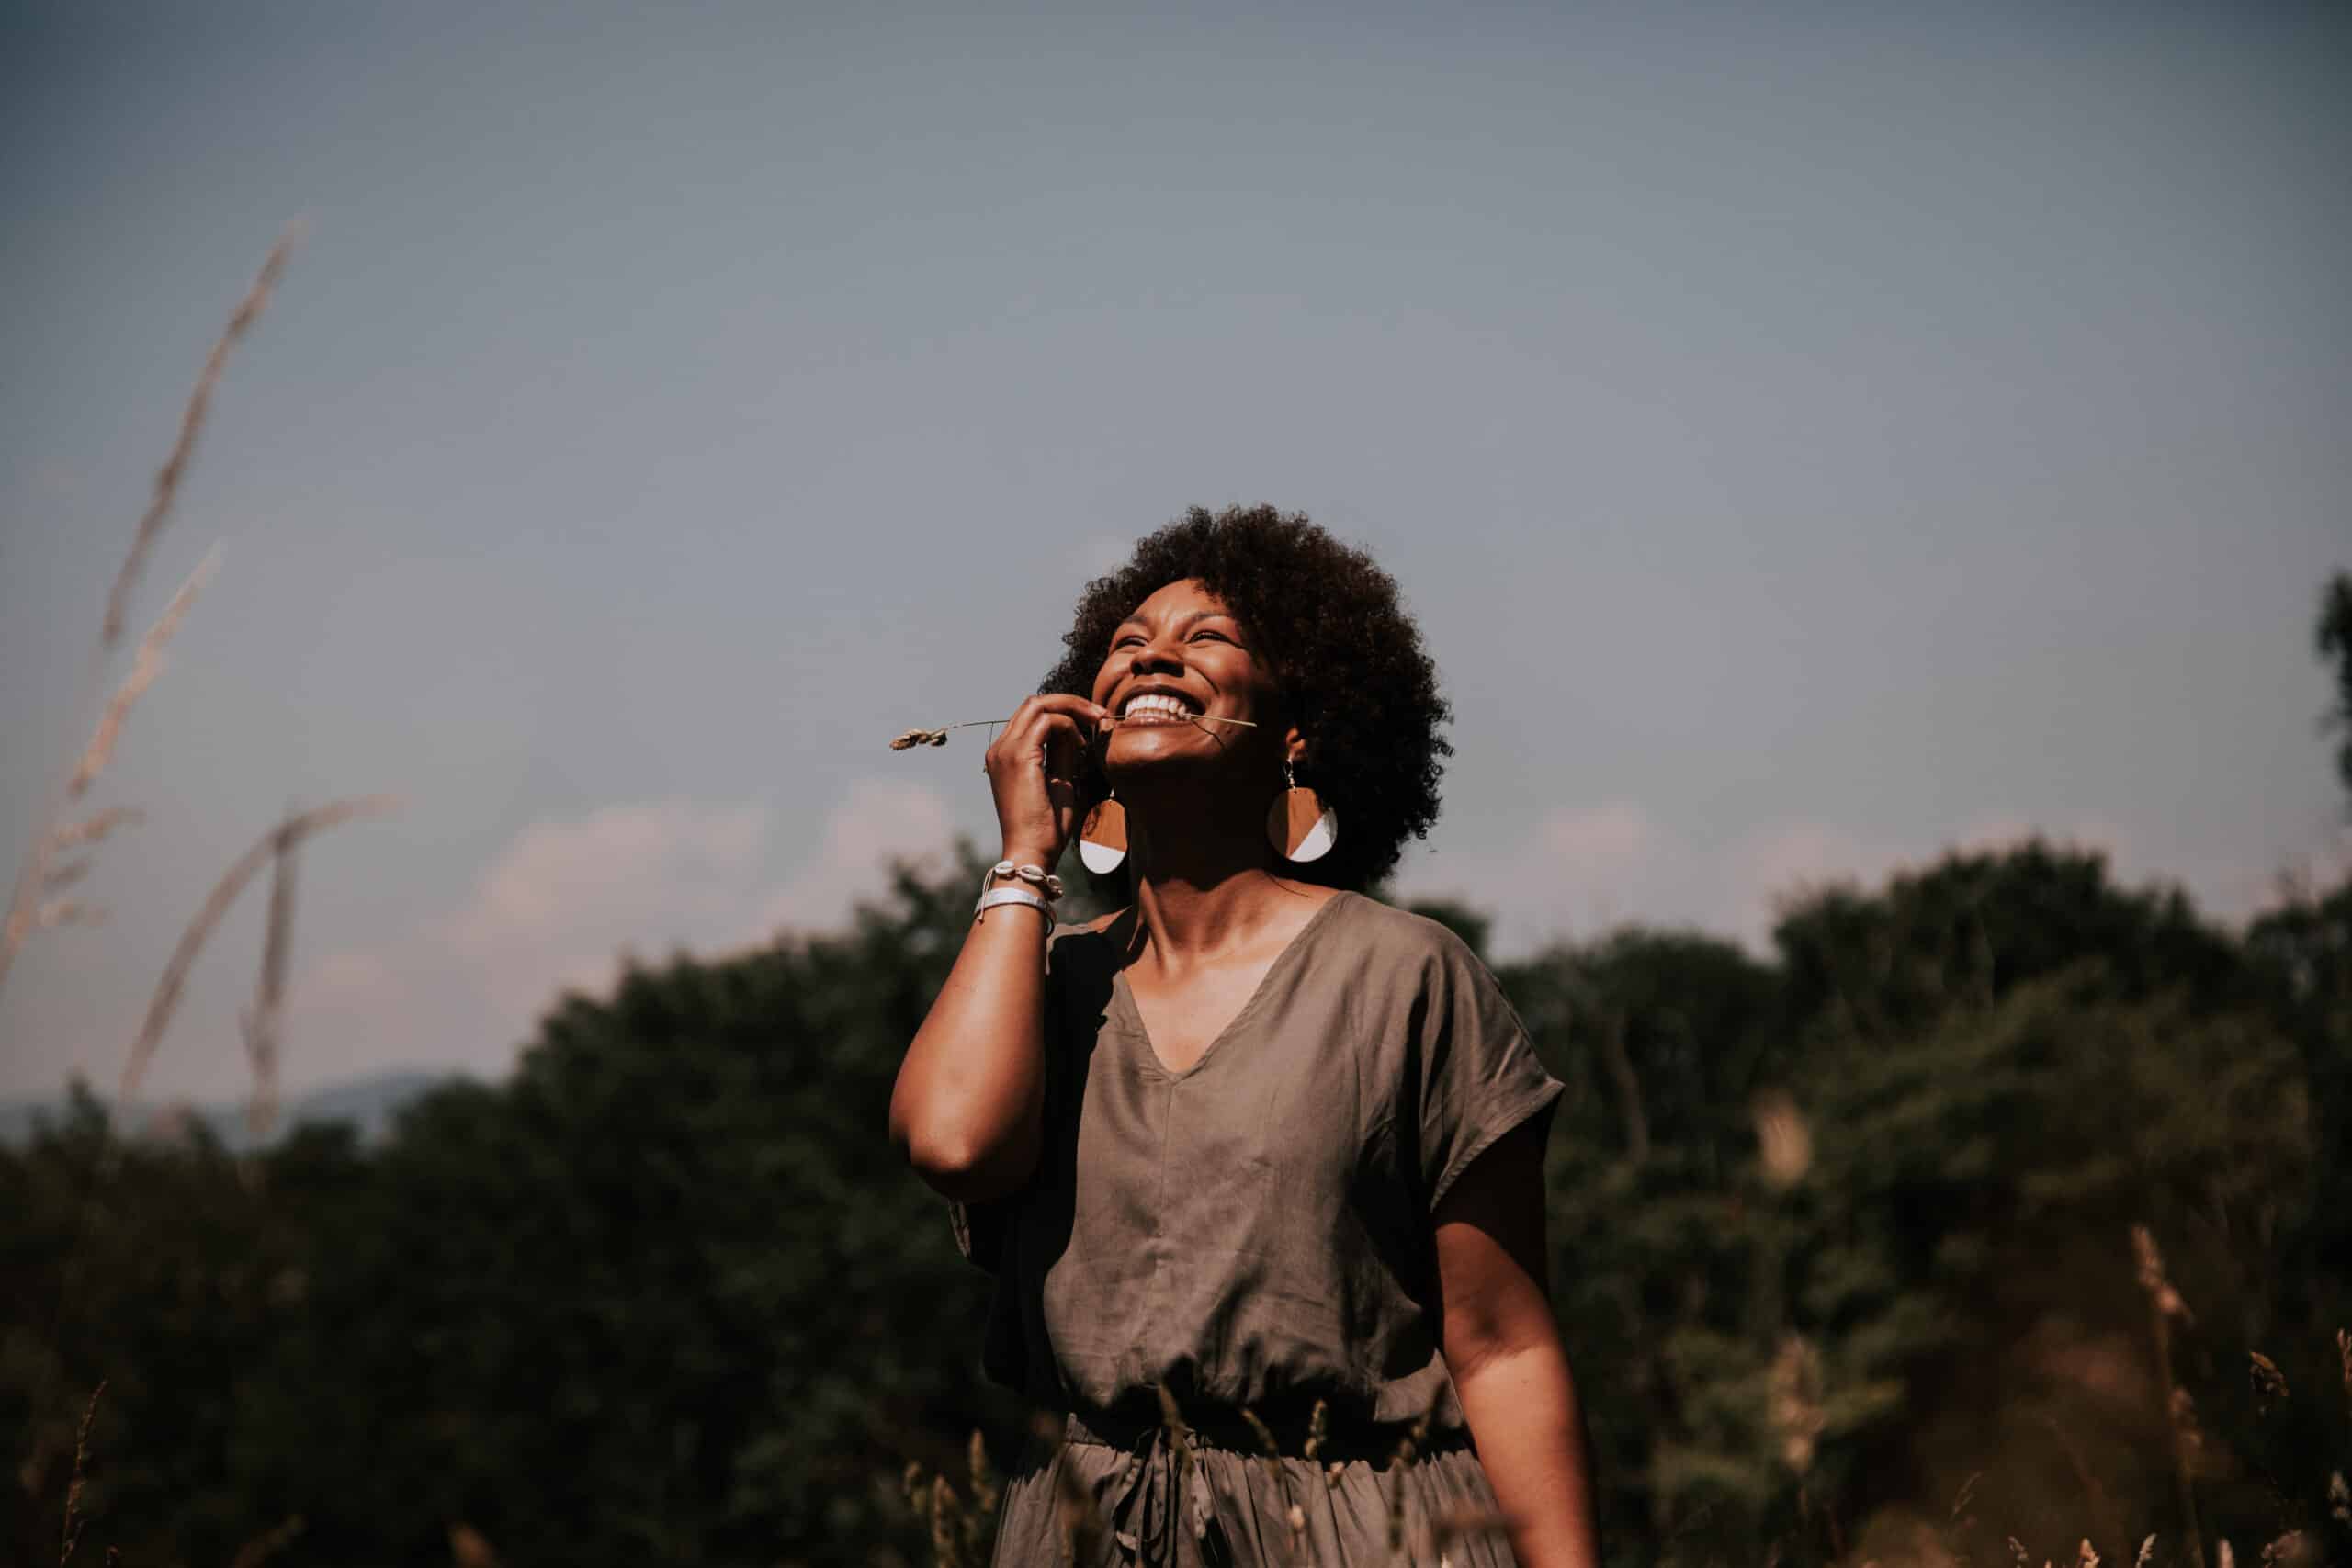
[1033, 770]
[1023, 739]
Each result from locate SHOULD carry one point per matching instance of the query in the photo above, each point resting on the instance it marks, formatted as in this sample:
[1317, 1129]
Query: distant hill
[368, 1104]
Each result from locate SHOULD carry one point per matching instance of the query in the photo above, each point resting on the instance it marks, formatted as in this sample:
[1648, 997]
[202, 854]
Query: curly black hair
[1347, 655]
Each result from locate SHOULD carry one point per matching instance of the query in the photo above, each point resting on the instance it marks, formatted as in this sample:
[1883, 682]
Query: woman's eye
[1218, 636]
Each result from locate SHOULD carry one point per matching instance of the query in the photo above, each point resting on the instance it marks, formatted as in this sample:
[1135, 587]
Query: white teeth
[1156, 704]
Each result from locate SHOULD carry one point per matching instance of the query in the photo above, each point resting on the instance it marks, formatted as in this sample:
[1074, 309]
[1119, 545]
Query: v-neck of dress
[1123, 998]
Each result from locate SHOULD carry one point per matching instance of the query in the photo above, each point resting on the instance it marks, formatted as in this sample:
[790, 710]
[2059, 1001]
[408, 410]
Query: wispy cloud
[559, 905]
[568, 898]
[880, 820]
[1612, 841]
[1584, 869]
[1588, 868]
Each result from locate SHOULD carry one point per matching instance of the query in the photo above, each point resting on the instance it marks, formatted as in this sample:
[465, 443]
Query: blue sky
[1810, 436]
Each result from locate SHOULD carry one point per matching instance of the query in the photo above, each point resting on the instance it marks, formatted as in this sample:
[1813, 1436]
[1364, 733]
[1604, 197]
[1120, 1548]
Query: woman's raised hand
[1033, 770]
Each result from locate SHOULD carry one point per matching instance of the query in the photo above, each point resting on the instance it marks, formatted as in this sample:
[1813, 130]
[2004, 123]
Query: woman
[1255, 1140]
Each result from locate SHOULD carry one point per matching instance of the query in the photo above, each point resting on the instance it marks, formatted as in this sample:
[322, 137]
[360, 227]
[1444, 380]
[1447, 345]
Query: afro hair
[1346, 654]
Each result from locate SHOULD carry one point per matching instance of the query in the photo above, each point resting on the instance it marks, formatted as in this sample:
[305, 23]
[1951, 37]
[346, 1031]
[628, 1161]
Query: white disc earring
[1103, 838]
[1299, 826]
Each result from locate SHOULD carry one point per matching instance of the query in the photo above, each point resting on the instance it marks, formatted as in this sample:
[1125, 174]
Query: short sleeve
[1479, 1073]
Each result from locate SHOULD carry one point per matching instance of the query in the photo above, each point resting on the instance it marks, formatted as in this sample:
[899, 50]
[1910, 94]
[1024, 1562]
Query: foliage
[667, 1296]
[1830, 1235]
[2334, 635]
[1995, 1067]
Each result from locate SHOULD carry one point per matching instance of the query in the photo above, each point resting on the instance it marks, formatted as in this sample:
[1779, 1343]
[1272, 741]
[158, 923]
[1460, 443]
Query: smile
[1154, 707]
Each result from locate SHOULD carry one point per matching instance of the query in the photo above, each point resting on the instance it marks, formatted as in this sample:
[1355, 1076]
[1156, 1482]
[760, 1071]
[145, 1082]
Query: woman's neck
[1203, 885]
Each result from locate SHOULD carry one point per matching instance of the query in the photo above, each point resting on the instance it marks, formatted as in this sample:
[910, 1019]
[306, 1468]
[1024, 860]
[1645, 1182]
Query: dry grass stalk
[216, 906]
[1081, 1522]
[1294, 1516]
[92, 829]
[145, 666]
[2293, 1549]
[2164, 1306]
[1179, 1433]
[24, 906]
[467, 1548]
[38, 875]
[945, 1545]
[1794, 1402]
[261, 1020]
[74, 1519]
[1783, 1139]
[37, 879]
[1465, 1524]
[25, 895]
[2269, 1383]
[910, 1485]
[960, 1530]
[1318, 1428]
[1409, 1448]
[986, 1493]
[54, 912]
[199, 403]
[266, 1545]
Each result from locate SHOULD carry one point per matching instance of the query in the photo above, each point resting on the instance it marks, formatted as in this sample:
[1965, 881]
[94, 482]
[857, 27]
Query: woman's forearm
[970, 1098]
[1523, 1414]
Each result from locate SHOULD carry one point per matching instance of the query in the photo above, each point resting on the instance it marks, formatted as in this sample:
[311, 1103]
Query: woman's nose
[1157, 658]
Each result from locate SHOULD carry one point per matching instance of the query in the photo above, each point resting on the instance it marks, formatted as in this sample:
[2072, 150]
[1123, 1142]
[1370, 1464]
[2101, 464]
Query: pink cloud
[567, 898]
[1599, 841]
[880, 821]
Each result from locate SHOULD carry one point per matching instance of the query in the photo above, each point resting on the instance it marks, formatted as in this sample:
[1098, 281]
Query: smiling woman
[1329, 622]
[1256, 1147]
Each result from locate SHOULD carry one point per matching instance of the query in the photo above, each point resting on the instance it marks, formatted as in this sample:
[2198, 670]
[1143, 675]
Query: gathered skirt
[1148, 1509]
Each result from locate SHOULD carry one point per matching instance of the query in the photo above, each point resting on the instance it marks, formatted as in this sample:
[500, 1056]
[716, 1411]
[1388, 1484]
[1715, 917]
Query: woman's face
[1179, 657]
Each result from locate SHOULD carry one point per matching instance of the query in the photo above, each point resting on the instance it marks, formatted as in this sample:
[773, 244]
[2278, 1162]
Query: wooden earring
[1103, 837]
[1299, 826]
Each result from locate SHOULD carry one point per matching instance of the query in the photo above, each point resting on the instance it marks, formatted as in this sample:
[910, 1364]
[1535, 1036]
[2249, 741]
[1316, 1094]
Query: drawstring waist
[1343, 1440]
[1156, 1487]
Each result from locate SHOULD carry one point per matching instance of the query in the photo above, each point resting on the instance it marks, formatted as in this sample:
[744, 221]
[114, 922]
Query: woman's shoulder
[1400, 935]
[1083, 933]
[1086, 944]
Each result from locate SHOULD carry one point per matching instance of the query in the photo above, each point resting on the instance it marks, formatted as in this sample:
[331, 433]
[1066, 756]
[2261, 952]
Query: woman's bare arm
[969, 1104]
[1504, 1351]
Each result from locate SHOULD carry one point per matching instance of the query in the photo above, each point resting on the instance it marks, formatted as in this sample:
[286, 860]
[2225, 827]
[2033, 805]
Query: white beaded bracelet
[995, 896]
[1036, 876]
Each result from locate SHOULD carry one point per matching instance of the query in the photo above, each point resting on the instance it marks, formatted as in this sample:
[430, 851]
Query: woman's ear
[1293, 745]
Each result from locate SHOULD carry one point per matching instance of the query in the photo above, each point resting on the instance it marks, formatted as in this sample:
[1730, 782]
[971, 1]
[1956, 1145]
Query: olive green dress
[1254, 1231]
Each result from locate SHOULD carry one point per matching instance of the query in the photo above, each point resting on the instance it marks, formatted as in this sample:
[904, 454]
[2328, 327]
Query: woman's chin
[1149, 745]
